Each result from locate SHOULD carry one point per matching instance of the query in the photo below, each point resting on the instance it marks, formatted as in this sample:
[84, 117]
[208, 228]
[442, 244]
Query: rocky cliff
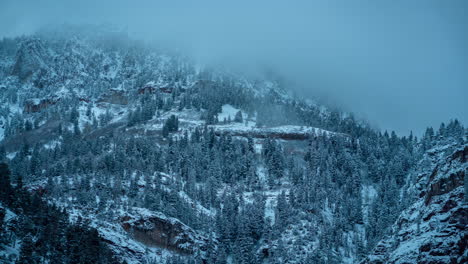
[157, 230]
[433, 229]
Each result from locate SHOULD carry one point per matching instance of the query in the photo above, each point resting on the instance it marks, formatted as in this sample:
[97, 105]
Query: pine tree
[27, 255]
[282, 212]
[238, 117]
[6, 191]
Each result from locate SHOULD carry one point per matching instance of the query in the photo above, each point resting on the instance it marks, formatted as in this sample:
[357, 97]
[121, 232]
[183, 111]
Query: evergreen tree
[238, 117]
[6, 191]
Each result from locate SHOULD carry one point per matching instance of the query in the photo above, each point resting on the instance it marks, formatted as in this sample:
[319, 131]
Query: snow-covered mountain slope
[433, 229]
[171, 162]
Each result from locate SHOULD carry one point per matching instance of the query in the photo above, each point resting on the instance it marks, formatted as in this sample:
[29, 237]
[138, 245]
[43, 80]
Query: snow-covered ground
[368, 194]
[229, 112]
[249, 125]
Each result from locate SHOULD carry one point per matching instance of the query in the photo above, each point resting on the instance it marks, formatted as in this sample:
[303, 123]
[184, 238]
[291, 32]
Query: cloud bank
[401, 64]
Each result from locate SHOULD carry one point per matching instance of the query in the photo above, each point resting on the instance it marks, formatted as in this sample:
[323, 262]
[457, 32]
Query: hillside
[167, 161]
[433, 228]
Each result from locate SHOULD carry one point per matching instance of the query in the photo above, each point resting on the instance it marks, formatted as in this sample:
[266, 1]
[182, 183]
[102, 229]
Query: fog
[403, 65]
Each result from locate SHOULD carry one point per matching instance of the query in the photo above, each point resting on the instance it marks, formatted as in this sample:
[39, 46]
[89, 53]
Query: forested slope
[170, 161]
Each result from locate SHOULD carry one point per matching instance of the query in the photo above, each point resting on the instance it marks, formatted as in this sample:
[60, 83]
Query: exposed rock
[114, 97]
[147, 90]
[434, 228]
[157, 230]
[84, 99]
[267, 134]
[445, 185]
[36, 105]
[379, 253]
[166, 89]
[152, 88]
[280, 132]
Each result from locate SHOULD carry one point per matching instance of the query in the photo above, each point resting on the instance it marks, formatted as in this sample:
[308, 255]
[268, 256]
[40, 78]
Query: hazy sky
[401, 64]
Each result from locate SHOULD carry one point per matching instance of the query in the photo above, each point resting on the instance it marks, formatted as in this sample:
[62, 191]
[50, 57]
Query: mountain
[160, 160]
[433, 228]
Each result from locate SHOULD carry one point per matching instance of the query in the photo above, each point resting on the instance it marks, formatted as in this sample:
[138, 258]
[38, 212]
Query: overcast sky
[403, 65]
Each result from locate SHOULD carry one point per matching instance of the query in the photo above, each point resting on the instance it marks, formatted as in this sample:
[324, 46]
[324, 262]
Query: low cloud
[401, 64]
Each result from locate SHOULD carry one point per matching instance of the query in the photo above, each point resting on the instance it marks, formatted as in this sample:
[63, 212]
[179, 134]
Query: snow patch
[229, 112]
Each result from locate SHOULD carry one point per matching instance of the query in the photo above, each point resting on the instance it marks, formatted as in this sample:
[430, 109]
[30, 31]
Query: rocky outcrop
[267, 134]
[279, 132]
[36, 105]
[445, 185]
[434, 228]
[147, 90]
[114, 96]
[151, 88]
[157, 230]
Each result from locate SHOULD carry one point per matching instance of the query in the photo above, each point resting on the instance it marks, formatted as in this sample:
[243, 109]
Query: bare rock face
[114, 97]
[36, 105]
[287, 132]
[157, 230]
[151, 88]
[434, 229]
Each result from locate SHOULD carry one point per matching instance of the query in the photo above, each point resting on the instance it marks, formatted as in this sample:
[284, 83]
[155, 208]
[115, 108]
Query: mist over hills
[148, 156]
[400, 65]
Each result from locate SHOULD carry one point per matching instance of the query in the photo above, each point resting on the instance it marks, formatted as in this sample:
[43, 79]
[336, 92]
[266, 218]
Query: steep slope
[433, 229]
[173, 162]
[34, 231]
